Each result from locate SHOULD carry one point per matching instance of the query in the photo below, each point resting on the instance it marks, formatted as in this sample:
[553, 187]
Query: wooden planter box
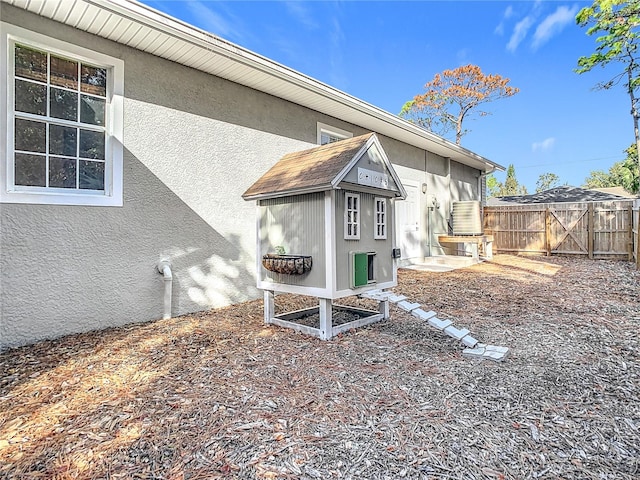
[287, 264]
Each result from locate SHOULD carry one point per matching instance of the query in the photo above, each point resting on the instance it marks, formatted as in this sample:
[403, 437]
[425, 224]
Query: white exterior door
[408, 226]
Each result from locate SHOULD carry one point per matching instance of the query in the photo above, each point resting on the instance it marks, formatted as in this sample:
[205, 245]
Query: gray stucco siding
[193, 143]
[464, 182]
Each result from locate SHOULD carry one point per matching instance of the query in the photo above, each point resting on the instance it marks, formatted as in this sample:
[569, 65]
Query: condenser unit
[466, 218]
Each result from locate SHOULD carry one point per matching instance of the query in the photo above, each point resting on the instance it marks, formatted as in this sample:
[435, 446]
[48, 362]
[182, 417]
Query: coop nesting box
[325, 223]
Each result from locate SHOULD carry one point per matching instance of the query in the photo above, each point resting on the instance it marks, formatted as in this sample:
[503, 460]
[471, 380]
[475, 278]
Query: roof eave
[287, 193]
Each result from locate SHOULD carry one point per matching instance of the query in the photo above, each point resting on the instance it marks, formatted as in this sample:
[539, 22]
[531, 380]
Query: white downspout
[164, 267]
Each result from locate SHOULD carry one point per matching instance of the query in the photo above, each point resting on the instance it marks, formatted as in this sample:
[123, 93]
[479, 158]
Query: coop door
[363, 268]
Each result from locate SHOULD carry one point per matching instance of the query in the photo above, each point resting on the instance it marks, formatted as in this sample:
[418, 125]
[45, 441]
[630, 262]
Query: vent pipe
[164, 267]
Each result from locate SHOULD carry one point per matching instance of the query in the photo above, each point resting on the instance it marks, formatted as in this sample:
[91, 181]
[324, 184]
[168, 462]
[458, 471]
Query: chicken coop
[325, 228]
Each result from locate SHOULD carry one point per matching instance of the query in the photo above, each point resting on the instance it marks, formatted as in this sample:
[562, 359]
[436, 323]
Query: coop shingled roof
[312, 169]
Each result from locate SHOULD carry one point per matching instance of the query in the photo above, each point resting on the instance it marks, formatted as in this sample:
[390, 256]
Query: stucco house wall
[193, 142]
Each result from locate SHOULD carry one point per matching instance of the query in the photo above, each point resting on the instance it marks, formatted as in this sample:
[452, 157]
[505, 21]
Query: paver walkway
[474, 349]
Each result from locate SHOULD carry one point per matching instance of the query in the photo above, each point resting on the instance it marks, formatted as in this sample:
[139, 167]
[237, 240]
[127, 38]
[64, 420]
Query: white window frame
[113, 182]
[349, 219]
[323, 128]
[380, 219]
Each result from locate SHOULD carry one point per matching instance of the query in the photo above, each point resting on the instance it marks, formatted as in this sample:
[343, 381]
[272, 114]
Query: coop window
[352, 216]
[64, 124]
[380, 224]
[328, 134]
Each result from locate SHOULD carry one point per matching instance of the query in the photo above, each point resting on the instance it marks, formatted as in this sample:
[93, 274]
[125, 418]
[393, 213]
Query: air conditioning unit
[466, 218]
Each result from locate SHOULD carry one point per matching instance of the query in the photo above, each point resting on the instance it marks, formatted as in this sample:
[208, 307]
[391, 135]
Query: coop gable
[372, 169]
[359, 161]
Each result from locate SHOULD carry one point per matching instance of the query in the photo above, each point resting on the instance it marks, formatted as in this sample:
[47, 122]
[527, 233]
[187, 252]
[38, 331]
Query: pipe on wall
[164, 267]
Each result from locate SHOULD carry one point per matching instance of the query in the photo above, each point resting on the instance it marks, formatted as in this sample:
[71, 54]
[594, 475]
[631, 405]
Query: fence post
[591, 236]
[630, 212]
[638, 240]
[547, 231]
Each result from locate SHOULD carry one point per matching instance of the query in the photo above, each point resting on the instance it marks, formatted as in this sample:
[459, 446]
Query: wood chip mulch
[221, 395]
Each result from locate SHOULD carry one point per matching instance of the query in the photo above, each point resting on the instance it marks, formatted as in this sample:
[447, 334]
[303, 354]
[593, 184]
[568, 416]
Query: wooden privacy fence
[595, 229]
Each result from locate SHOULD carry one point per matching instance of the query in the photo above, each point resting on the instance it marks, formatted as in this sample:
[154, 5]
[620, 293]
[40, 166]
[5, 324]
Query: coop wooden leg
[269, 306]
[383, 308]
[326, 323]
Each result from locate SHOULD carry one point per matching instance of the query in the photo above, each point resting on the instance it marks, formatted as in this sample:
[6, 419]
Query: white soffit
[141, 27]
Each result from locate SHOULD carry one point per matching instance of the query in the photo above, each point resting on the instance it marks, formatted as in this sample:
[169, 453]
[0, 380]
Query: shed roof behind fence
[566, 193]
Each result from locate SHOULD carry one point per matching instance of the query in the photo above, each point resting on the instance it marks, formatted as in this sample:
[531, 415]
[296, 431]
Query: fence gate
[568, 231]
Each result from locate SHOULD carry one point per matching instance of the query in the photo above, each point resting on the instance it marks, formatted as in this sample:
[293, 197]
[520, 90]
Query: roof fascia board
[288, 193]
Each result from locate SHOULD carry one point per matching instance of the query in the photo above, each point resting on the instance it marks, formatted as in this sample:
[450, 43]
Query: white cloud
[544, 145]
[302, 14]
[208, 19]
[519, 33]
[553, 24]
[462, 56]
[336, 47]
[508, 13]
[213, 22]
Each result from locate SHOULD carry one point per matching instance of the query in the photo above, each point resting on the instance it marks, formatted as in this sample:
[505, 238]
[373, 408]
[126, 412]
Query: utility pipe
[164, 267]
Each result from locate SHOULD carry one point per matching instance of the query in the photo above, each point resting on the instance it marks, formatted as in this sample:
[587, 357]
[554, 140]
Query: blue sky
[383, 52]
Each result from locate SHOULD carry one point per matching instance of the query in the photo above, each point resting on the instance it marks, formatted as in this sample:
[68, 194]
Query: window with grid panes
[380, 224]
[328, 134]
[352, 216]
[60, 135]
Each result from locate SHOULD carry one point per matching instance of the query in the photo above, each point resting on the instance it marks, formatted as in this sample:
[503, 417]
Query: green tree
[624, 173]
[454, 95]
[427, 116]
[547, 181]
[511, 185]
[493, 186]
[617, 22]
[598, 179]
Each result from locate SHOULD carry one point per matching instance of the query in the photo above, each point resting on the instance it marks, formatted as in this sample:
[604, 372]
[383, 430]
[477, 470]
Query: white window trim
[113, 185]
[346, 214]
[333, 131]
[380, 201]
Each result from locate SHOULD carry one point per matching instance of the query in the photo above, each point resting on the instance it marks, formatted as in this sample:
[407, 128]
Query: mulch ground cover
[221, 395]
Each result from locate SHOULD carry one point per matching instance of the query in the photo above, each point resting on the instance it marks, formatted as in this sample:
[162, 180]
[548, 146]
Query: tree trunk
[459, 129]
[635, 114]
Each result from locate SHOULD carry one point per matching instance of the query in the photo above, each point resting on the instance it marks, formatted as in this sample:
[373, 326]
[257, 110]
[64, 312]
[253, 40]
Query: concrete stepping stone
[469, 341]
[457, 333]
[396, 298]
[371, 294]
[408, 306]
[376, 295]
[489, 352]
[435, 322]
[422, 315]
